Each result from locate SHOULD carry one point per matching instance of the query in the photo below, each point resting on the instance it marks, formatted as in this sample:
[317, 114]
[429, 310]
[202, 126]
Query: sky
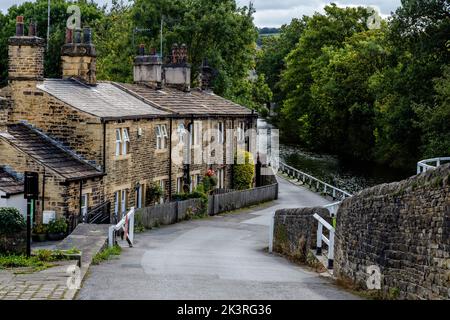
[271, 13]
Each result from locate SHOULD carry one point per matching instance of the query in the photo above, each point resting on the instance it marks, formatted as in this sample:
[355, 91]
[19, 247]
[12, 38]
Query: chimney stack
[177, 73]
[147, 68]
[207, 75]
[79, 57]
[25, 54]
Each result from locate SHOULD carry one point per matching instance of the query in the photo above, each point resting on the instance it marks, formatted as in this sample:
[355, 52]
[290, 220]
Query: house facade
[104, 142]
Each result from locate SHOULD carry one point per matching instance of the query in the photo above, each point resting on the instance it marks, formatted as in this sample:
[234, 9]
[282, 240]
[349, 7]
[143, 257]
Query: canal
[351, 177]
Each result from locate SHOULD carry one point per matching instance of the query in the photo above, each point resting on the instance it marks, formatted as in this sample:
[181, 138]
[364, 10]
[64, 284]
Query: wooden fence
[172, 212]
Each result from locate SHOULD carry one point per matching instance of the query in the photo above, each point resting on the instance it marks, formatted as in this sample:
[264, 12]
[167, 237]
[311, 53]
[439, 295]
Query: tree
[299, 119]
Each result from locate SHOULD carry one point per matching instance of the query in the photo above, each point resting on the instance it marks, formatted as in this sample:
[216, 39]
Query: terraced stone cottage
[95, 143]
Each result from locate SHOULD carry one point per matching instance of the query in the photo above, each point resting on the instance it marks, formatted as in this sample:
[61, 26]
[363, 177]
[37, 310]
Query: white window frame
[84, 204]
[220, 132]
[158, 137]
[123, 201]
[181, 133]
[118, 142]
[197, 132]
[241, 131]
[161, 136]
[139, 191]
[116, 203]
[126, 141]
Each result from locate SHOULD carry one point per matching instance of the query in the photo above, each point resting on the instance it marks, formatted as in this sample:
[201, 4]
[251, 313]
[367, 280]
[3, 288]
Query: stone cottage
[95, 143]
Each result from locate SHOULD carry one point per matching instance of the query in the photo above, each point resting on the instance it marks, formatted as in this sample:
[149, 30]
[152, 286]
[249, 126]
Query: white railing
[319, 185]
[322, 238]
[127, 225]
[428, 164]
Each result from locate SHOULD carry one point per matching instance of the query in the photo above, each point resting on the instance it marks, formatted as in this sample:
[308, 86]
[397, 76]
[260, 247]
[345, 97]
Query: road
[221, 257]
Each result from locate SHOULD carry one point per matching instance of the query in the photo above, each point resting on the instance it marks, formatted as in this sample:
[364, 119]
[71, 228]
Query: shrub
[11, 221]
[106, 254]
[209, 183]
[40, 229]
[244, 173]
[154, 192]
[57, 226]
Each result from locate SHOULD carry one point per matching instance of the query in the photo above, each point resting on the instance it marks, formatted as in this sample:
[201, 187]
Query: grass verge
[106, 254]
[19, 261]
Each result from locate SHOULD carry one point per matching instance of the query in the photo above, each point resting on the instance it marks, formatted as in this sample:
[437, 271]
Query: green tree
[244, 170]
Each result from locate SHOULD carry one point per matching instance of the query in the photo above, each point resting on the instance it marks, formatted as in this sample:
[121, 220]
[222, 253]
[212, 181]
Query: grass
[34, 263]
[106, 254]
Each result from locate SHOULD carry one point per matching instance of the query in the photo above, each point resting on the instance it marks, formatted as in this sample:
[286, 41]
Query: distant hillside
[266, 31]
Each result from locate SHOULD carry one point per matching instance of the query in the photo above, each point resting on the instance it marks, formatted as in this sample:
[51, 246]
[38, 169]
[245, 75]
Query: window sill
[121, 157]
[157, 151]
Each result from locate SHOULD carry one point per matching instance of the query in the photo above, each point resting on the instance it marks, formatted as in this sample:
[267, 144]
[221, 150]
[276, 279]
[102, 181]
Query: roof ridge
[59, 145]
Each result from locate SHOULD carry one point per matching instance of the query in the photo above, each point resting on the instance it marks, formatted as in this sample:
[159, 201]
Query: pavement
[60, 282]
[220, 257]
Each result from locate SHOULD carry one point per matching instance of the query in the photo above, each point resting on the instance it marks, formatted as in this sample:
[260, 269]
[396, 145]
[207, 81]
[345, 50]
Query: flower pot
[56, 236]
[39, 237]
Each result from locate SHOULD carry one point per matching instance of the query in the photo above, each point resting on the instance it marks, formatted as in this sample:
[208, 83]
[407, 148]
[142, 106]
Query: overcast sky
[271, 13]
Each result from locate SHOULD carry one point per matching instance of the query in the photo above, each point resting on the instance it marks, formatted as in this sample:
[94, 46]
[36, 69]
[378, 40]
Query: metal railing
[100, 214]
[319, 185]
[322, 238]
[428, 164]
[126, 225]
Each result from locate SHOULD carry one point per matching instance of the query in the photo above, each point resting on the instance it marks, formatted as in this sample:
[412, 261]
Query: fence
[428, 164]
[240, 199]
[322, 238]
[172, 212]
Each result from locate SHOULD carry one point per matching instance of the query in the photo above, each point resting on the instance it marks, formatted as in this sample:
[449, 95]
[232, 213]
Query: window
[84, 204]
[162, 184]
[180, 185]
[122, 142]
[161, 136]
[181, 133]
[123, 201]
[241, 131]
[139, 191]
[118, 142]
[197, 133]
[199, 179]
[220, 133]
[126, 141]
[221, 178]
[116, 203]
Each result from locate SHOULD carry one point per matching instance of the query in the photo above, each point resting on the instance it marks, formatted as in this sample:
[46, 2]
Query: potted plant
[39, 232]
[57, 229]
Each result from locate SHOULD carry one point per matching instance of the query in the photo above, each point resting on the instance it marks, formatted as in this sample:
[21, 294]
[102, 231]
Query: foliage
[138, 224]
[154, 193]
[21, 261]
[106, 254]
[375, 95]
[209, 182]
[40, 229]
[11, 221]
[58, 226]
[244, 170]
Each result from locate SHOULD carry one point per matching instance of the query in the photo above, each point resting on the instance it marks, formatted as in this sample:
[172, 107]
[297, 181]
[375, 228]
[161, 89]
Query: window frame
[125, 141]
[118, 142]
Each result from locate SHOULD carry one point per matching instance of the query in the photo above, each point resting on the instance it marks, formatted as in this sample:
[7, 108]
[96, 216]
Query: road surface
[221, 257]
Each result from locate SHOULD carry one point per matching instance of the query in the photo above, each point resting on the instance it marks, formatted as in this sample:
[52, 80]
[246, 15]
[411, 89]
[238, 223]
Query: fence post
[331, 250]
[271, 231]
[319, 239]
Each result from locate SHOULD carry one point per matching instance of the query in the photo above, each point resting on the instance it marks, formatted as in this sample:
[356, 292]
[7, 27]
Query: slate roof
[10, 184]
[104, 100]
[48, 152]
[196, 102]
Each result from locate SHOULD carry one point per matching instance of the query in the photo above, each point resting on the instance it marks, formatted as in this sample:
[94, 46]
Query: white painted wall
[16, 201]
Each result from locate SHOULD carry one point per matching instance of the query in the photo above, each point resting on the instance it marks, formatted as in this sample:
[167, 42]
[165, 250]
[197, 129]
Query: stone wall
[404, 229]
[295, 231]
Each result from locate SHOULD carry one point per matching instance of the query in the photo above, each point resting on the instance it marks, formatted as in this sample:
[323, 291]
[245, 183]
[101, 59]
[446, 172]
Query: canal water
[351, 177]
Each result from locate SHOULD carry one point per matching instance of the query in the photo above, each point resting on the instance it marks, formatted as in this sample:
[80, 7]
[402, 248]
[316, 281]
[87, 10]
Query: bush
[40, 229]
[11, 221]
[244, 173]
[154, 193]
[57, 226]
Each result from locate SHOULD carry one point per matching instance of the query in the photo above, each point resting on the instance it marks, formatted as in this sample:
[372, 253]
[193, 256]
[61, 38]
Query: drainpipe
[170, 160]
[80, 202]
[104, 146]
[43, 192]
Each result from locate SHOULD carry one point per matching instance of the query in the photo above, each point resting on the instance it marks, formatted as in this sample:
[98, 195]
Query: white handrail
[127, 223]
[322, 238]
[326, 187]
[427, 164]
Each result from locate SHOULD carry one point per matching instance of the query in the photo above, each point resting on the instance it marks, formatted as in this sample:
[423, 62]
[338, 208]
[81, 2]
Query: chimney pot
[19, 26]
[87, 35]
[32, 29]
[69, 35]
[141, 49]
[77, 36]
